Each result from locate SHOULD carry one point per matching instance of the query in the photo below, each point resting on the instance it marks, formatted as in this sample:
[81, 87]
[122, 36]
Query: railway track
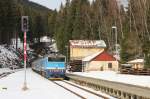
[4, 74]
[79, 91]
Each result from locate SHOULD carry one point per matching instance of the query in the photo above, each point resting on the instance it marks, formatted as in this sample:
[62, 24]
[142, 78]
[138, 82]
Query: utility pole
[24, 25]
[67, 57]
[16, 40]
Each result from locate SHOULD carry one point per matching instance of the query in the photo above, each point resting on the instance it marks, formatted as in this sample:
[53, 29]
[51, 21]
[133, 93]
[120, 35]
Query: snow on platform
[143, 81]
[39, 87]
[2, 70]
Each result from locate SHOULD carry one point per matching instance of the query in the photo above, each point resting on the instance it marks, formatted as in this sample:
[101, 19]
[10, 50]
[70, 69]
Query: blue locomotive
[52, 66]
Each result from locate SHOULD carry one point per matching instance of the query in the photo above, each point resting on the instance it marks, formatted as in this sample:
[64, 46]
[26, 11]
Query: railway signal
[25, 23]
[24, 27]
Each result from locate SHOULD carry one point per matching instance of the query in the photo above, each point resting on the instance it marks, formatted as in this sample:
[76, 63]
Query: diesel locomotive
[52, 66]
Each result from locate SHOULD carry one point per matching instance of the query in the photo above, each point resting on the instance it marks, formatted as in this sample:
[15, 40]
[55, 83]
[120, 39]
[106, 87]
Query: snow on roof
[87, 43]
[45, 39]
[90, 57]
[136, 61]
[55, 55]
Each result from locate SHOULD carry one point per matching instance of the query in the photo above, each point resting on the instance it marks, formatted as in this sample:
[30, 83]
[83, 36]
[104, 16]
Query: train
[52, 66]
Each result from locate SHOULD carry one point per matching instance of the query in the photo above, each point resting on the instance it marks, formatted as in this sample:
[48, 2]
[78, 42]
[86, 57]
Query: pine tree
[39, 27]
[51, 23]
[8, 17]
[59, 32]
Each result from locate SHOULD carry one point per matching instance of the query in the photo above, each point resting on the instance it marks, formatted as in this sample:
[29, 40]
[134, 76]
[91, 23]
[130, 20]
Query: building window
[109, 65]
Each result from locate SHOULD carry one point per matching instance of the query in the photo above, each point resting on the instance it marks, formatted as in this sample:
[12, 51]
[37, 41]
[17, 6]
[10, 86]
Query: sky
[124, 2]
[52, 4]
[55, 4]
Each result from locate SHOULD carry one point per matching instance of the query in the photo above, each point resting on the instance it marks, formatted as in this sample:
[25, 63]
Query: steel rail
[99, 95]
[69, 90]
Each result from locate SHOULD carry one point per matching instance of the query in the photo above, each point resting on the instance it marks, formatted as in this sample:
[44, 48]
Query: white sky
[52, 4]
[55, 4]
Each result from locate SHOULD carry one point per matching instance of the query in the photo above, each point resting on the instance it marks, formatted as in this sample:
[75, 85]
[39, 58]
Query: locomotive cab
[52, 66]
[56, 67]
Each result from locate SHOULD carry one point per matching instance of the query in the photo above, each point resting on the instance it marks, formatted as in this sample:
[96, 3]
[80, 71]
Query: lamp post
[114, 27]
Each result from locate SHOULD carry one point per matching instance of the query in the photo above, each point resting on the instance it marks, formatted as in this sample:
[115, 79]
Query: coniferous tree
[8, 17]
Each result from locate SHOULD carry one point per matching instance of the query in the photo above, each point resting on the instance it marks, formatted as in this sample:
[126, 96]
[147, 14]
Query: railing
[135, 71]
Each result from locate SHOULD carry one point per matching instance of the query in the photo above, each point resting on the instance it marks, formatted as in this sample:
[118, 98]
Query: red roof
[104, 56]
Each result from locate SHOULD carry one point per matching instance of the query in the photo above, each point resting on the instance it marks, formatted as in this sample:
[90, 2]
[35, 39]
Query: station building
[90, 55]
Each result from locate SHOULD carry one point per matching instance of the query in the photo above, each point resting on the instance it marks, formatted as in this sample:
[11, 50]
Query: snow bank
[113, 76]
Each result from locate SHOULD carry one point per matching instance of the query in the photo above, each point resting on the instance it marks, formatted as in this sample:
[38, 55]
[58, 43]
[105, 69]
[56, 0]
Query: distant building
[45, 39]
[19, 43]
[100, 61]
[137, 63]
[80, 49]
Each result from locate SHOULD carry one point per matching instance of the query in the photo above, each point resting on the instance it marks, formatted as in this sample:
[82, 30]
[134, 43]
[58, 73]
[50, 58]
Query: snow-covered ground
[39, 87]
[113, 76]
[2, 70]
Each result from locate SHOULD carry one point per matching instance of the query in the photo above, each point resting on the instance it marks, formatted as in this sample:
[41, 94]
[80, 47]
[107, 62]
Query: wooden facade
[80, 49]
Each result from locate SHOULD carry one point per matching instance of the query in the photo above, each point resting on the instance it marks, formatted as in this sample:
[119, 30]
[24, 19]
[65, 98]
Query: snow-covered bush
[8, 57]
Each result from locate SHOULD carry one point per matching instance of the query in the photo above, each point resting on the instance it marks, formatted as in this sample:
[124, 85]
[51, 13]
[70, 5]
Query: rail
[69, 90]
[80, 88]
[99, 95]
[5, 74]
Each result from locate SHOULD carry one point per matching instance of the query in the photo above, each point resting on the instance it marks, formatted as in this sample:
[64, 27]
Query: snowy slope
[123, 78]
[39, 88]
[7, 57]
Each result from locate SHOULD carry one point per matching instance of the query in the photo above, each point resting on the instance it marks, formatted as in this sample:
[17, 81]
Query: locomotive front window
[57, 59]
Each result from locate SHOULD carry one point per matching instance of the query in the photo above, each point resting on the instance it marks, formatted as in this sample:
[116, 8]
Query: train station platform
[38, 87]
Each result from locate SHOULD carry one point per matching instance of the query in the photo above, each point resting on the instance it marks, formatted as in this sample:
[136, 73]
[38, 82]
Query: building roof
[100, 56]
[88, 43]
[45, 39]
[104, 56]
[136, 61]
[90, 57]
